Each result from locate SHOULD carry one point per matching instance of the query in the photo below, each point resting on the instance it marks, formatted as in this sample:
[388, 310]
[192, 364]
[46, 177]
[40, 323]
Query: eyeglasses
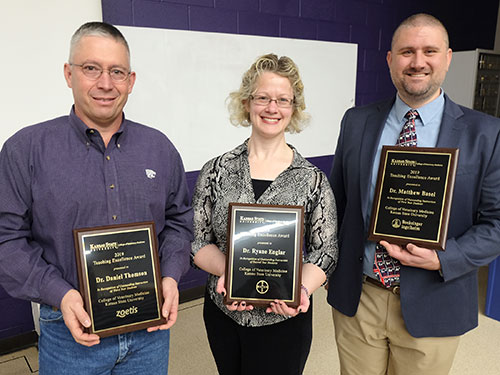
[94, 72]
[266, 100]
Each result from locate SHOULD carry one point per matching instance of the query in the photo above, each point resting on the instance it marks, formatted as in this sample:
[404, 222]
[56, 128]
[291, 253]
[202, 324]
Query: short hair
[418, 20]
[283, 66]
[96, 29]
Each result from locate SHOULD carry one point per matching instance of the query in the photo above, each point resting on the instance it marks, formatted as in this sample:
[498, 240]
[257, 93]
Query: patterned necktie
[385, 267]
[408, 135]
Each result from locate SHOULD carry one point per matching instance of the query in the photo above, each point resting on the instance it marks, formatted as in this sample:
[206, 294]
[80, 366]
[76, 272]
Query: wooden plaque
[119, 276]
[264, 257]
[413, 196]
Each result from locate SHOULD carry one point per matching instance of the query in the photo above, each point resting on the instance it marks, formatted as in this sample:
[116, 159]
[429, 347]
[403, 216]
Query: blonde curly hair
[283, 66]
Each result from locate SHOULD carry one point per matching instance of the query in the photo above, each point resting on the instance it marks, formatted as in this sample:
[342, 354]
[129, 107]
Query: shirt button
[108, 157]
[114, 217]
[118, 145]
[360, 259]
[91, 131]
[112, 186]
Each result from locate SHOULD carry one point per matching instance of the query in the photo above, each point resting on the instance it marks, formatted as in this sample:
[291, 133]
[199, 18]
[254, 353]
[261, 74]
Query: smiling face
[270, 120]
[418, 62]
[99, 103]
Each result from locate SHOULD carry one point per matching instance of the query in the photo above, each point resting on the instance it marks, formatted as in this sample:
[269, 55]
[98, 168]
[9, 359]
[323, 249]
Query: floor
[478, 353]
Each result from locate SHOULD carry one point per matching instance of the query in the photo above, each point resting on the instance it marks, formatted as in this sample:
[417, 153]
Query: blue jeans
[138, 352]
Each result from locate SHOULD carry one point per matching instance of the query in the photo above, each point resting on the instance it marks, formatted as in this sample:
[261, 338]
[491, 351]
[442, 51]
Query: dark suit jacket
[432, 304]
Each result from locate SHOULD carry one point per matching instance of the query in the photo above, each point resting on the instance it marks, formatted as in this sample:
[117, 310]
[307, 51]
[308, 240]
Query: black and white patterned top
[226, 179]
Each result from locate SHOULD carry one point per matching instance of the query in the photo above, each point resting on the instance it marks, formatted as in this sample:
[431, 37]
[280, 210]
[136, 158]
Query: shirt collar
[427, 112]
[84, 131]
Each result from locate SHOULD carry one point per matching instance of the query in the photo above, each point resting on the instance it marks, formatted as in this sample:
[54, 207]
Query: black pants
[280, 348]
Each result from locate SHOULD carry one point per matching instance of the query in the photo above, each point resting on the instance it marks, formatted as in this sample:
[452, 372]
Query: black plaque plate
[264, 258]
[413, 196]
[118, 271]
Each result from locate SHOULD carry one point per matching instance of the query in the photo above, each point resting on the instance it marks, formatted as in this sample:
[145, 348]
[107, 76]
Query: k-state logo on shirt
[150, 173]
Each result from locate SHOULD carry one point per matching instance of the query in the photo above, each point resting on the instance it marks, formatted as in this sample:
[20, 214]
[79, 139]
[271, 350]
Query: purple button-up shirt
[58, 176]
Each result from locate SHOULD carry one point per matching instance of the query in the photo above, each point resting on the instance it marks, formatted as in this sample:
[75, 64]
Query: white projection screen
[185, 77]
[183, 81]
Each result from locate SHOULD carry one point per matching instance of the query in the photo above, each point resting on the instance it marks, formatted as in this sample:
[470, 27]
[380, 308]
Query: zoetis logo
[124, 313]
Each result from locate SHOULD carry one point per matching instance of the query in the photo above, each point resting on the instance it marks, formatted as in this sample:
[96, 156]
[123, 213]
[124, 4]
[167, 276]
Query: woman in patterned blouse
[265, 169]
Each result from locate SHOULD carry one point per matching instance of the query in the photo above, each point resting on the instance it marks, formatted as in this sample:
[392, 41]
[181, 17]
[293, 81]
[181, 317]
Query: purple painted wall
[368, 23]
[16, 316]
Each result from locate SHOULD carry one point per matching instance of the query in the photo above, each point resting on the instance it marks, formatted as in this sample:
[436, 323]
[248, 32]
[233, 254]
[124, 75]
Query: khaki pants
[375, 341]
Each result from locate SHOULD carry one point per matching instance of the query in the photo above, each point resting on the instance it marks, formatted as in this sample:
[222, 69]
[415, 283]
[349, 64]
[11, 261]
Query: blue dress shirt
[427, 128]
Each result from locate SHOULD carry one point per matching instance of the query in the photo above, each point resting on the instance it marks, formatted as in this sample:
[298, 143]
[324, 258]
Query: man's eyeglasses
[93, 72]
[266, 100]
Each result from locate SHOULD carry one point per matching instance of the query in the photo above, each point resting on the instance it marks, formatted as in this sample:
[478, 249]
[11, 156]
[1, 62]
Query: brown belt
[394, 288]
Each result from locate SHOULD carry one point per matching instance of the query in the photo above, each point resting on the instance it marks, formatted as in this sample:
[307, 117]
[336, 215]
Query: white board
[185, 77]
[183, 80]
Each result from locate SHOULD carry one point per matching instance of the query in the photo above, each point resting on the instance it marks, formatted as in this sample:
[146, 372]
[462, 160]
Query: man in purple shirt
[91, 168]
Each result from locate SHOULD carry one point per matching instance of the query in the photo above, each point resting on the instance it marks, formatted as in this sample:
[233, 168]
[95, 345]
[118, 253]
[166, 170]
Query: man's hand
[414, 256]
[170, 303]
[75, 318]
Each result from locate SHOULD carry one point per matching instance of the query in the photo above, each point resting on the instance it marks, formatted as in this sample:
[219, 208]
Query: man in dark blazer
[414, 325]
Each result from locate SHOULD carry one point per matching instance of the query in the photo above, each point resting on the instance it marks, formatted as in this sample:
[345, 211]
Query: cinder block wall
[368, 23]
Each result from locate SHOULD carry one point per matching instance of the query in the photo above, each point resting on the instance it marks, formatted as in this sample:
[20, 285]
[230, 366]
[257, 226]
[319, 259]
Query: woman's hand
[281, 308]
[235, 306]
